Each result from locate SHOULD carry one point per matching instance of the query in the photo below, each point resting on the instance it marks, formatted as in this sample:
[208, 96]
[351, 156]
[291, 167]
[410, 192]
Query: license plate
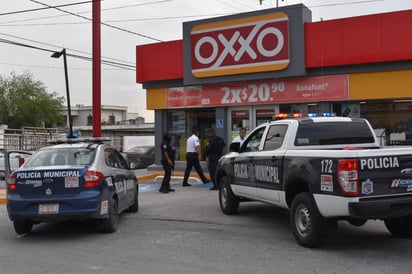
[48, 208]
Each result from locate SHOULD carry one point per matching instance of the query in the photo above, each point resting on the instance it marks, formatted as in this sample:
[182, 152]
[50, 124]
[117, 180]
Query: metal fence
[31, 139]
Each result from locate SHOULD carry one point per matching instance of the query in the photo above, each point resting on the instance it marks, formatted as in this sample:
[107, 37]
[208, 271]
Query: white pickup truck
[322, 169]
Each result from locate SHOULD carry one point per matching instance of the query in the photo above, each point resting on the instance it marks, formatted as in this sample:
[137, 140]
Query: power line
[9, 24]
[83, 12]
[107, 25]
[59, 47]
[37, 9]
[104, 62]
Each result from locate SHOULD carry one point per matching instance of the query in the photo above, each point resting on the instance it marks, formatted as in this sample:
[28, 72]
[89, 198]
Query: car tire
[400, 227]
[109, 225]
[229, 203]
[309, 227]
[135, 206]
[23, 227]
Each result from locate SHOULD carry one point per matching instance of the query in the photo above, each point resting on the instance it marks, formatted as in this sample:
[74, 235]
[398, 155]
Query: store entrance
[249, 117]
[182, 124]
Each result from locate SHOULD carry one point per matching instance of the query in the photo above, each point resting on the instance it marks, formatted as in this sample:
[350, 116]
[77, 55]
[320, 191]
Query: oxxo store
[245, 69]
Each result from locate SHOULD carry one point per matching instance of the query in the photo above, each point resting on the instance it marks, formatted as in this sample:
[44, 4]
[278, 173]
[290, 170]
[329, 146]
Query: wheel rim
[223, 196]
[302, 221]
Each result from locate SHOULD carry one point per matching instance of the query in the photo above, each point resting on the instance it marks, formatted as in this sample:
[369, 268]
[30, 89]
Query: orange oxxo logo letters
[245, 45]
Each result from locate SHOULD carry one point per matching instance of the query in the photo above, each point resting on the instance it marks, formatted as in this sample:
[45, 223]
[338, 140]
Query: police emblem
[367, 187]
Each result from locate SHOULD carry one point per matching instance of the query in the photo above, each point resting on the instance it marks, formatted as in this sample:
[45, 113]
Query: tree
[25, 102]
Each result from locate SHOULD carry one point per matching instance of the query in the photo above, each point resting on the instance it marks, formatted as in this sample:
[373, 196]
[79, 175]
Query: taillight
[348, 176]
[11, 182]
[92, 178]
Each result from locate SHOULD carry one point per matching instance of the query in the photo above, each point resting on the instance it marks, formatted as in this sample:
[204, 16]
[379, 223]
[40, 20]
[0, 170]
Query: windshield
[62, 156]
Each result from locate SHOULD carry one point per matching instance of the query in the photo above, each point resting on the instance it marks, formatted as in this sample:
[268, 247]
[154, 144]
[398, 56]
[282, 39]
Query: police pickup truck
[322, 169]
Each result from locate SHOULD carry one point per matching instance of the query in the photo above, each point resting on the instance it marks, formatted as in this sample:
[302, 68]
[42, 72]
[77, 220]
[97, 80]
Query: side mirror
[132, 165]
[234, 147]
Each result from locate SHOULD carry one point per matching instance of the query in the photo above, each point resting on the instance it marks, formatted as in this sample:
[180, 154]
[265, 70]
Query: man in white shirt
[193, 155]
[241, 137]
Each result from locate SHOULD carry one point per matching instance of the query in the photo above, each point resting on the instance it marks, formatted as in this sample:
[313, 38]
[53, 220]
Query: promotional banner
[291, 90]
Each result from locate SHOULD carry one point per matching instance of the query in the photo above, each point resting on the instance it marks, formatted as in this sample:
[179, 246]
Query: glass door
[239, 117]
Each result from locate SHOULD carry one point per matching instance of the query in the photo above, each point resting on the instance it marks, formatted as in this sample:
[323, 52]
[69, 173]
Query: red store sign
[295, 90]
[245, 45]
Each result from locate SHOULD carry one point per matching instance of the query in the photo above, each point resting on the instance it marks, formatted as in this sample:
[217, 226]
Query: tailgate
[385, 175]
[41, 183]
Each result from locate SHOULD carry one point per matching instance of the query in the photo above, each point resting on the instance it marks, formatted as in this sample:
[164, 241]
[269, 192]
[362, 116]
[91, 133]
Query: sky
[127, 23]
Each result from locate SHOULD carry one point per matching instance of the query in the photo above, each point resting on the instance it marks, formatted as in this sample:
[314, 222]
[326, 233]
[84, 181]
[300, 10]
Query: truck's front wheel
[229, 203]
[308, 226]
[400, 227]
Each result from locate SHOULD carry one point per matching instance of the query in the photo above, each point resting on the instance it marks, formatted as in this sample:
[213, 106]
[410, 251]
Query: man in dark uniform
[168, 163]
[214, 150]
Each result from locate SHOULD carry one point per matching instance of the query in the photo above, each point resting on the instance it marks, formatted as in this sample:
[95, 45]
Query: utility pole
[97, 113]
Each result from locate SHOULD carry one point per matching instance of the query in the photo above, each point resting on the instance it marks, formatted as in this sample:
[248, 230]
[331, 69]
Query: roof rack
[80, 140]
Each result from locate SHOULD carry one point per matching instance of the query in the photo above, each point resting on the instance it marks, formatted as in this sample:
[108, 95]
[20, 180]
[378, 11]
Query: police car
[78, 179]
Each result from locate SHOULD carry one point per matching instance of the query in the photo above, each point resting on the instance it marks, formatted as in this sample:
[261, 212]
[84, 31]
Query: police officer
[168, 162]
[193, 155]
[214, 150]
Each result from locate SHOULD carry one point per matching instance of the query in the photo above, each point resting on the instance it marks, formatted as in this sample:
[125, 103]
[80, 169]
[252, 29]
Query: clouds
[159, 19]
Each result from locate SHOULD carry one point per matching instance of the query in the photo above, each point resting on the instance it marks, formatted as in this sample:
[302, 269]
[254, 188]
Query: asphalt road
[185, 232]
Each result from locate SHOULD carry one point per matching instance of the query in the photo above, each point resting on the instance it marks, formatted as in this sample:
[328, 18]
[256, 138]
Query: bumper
[382, 208]
[84, 206]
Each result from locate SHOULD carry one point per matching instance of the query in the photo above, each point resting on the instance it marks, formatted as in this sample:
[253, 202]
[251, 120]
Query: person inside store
[193, 157]
[168, 162]
[214, 150]
[241, 137]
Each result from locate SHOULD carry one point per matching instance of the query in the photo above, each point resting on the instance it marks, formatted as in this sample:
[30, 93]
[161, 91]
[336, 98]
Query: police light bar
[80, 140]
[280, 116]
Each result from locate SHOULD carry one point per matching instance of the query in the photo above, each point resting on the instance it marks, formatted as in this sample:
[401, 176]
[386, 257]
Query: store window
[264, 115]
[240, 118]
[391, 119]
[181, 123]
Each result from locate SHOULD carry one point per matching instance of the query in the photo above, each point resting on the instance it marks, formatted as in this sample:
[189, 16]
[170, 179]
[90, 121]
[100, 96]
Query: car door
[122, 177]
[244, 166]
[268, 164]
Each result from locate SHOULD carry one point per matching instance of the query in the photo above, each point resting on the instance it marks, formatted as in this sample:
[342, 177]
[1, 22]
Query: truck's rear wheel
[229, 203]
[400, 227]
[309, 227]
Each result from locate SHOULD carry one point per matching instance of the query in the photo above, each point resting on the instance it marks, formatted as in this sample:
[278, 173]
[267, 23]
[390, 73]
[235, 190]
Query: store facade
[245, 69]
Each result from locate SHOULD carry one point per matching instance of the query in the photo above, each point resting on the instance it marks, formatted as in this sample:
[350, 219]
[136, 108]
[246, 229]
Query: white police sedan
[79, 179]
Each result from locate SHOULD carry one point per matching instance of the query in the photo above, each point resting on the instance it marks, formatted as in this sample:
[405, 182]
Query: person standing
[168, 163]
[241, 137]
[193, 155]
[214, 150]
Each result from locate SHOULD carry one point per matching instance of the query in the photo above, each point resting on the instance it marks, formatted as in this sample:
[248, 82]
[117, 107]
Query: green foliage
[25, 102]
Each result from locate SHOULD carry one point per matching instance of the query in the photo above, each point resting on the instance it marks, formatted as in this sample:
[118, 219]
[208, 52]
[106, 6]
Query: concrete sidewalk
[152, 174]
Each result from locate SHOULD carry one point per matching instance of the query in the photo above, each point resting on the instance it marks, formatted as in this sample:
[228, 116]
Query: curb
[3, 198]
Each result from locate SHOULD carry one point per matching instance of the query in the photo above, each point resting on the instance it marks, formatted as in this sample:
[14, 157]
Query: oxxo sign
[245, 45]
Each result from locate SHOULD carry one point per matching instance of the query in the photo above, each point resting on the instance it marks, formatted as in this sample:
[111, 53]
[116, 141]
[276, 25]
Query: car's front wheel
[109, 225]
[229, 203]
[23, 227]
